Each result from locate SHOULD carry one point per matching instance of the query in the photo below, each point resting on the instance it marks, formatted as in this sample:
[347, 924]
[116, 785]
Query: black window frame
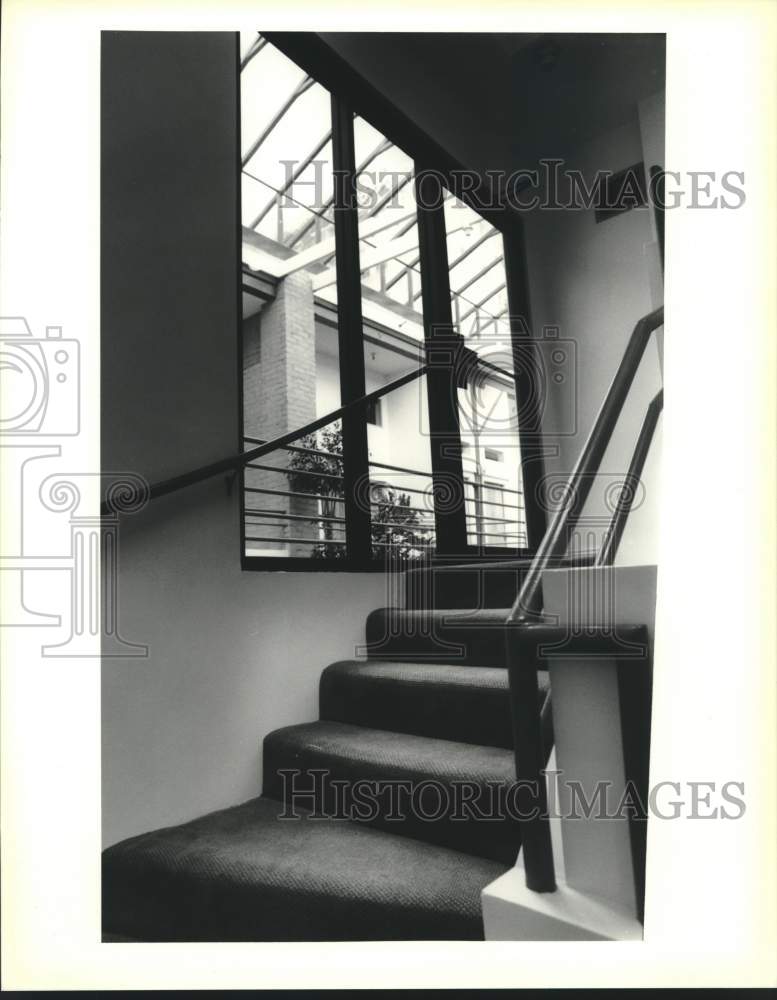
[327, 68]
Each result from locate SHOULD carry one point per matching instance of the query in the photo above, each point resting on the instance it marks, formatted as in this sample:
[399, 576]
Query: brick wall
[279, 394]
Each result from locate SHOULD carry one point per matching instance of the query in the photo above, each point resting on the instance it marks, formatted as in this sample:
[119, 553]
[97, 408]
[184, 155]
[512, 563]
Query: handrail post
[522, 663]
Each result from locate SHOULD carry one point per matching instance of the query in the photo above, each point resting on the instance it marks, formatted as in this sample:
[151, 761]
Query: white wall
[652, 127]
[594, 282]
[327, 372]
[403, 436]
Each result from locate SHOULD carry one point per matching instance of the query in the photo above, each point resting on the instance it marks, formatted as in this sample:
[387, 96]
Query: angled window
[306, 500]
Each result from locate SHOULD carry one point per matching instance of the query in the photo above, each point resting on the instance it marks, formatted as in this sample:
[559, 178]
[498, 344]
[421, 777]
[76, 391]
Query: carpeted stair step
[474, 638]
[442, 700]
[453, 793]
[243, 874]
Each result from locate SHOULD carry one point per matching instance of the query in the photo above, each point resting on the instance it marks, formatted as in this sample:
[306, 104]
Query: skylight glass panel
[287, 187]
[388, 230]
[478, 282]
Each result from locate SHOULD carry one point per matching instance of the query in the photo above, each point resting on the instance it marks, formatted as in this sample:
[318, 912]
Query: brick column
[279, 394]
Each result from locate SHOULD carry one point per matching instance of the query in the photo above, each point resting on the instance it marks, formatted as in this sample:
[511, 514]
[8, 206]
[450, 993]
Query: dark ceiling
[502, 101]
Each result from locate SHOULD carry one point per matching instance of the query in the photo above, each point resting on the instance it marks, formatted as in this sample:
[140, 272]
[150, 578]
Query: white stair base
[511, 912]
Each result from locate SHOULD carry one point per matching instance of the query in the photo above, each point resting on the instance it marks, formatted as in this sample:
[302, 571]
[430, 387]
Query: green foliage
[396, 528]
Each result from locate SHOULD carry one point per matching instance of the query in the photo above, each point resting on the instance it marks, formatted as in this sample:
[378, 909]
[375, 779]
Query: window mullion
[351, 348]
[441, 341]
[527, 366]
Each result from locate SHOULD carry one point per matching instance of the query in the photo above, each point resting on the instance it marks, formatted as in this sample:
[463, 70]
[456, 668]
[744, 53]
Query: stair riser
[478, 587]
[391, 635]
[423, 808]
[467, 715]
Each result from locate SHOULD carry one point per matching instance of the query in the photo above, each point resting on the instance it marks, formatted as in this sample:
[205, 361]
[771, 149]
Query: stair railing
[530, 723]
[530, 753]
[235, 462]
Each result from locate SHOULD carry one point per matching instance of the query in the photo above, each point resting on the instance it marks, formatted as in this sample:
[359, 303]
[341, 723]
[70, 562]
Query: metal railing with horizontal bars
[491, 522]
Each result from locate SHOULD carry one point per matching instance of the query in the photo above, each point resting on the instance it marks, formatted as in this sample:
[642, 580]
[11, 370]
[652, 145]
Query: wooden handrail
[529, 752]
[235, 462]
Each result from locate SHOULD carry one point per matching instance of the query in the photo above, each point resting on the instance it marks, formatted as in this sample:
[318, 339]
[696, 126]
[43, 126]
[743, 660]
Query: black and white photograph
[387, 581]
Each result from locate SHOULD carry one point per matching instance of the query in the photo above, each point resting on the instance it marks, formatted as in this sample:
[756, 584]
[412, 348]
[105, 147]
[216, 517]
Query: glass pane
[287, 184]
[488, 411]
[294, 499]
[398, 432]
[291, 371]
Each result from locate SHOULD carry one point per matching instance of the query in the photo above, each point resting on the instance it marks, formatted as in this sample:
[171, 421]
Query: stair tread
[460, 616]
[440, 700]
[498, 563]
[244, 874]
[377, 750]
[457, 567]
[406, 672]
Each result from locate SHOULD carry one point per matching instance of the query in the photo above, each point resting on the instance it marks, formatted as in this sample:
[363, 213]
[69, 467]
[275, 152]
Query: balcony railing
[309, 510]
